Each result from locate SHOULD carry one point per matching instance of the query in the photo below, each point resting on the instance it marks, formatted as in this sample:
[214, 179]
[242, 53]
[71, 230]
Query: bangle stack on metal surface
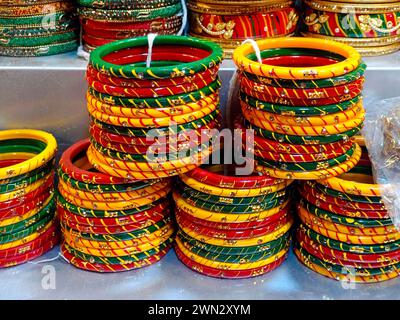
[147, 123]
[31, 28]
[111, 224]
[346, 233]
[28, 226]
[105, 21]
[232, 226]
[371, 26]
[304, 103]
[230, 22]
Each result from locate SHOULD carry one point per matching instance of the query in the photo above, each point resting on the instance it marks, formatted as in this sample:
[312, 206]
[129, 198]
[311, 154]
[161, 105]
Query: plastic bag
[382, 137]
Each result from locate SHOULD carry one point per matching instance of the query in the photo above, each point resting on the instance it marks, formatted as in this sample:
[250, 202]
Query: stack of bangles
[232, 226]
[156, 122]
[346, 232]
[109, 20]
[230, 22]
[371, 26]
[37, 28]
[28, 226]
[111, 224]
[303, 104]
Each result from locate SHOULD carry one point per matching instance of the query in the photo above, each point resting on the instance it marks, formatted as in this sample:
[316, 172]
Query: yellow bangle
[149, 113]
[240, 242]
[316, 174]
[75, 241]
[227, 265]
[27, 215]
[115, 196]
[225, 217]
[348, 183]
[152, 122]
[330, 119]
[23, 191]
[67, 193]
[16, 155]
[230, 192]
[31, 237]
[37, 160]
[308, 131]
[134, 174]
[351, 62]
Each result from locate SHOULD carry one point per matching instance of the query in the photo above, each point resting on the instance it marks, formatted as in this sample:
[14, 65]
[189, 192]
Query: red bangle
[239, 182]
[27, 206]
[326, 204]
[11, 204]
[79, 149]
[147, 92]
[139, 141]
[25, 257]
[123, 34]
[211, 73]
[299, 61]
[47, 236]
[301, 102]
[228, 274]
[231, 233]
[10, 162]
[360, 259]
[86, 265]
[295, 157]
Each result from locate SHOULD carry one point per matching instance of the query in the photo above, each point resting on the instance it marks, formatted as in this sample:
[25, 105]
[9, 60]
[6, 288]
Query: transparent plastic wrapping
[382, 138]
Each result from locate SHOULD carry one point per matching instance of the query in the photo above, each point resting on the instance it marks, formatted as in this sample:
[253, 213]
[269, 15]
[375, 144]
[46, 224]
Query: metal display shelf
[49, 93]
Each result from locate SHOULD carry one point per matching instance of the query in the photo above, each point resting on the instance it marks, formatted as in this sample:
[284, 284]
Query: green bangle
[39, 51]
[28, 231]
[233, 209]
[161, 102]
[143, 157]
[184, 69]
[298, 111]
[12, 3]
[232, 251]
[345, 196]
[160, 132]
[338, 219]
[129, 14]
[104, 188]
[23, 21]
[102, 213]
[22, 145]
[127, 4]
[40, 40]
[259, 256]
[355, 248]
[303, 139]
[32, 177]
[21, 225]
[135, 257]
[337, 268]
[128, 236]
[307, 166]
[37, 30]
[237, 201]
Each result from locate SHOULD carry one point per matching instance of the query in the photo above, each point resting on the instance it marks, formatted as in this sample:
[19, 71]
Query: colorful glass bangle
[98, 62]
[36, 9]
[210, 175]
[134, 213]
[341, 207]
[351, 62]
[26, 166]
[39, 51]
[349, 184]
[107, 268]
[228, 274]
[375, 248]
[43, 40]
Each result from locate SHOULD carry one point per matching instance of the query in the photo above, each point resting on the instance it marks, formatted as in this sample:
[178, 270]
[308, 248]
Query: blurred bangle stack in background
[229, 22]
[31, 28]
[370, 26]
[110, 20]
